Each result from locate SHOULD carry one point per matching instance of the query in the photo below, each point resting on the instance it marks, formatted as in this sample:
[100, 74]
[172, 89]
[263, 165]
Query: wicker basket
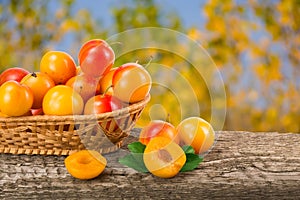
[62, 135]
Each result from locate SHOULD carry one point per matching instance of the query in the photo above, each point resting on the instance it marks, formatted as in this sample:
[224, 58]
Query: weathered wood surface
[241, 165]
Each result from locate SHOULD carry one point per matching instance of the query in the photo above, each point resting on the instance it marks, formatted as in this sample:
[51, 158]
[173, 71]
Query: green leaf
[134, 161]
[192, 162]
[136, 147]
[188, 149]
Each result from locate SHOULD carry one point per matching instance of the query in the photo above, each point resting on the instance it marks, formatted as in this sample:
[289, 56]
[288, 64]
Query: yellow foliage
[217, 24]
[69, 25]
[269, 73]
[194, 33]
[285, 8]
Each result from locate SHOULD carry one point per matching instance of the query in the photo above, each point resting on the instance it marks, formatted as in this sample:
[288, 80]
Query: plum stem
[33, 74]
[168, 118]
[151, 58]
[106, 90]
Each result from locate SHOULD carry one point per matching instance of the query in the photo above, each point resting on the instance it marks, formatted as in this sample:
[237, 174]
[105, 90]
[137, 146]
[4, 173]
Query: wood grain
[241, 165]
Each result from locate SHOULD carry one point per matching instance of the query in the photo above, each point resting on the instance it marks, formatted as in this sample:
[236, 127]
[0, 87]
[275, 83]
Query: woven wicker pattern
[62, 135]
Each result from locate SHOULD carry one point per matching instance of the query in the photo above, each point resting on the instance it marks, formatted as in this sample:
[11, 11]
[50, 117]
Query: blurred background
[255, 44]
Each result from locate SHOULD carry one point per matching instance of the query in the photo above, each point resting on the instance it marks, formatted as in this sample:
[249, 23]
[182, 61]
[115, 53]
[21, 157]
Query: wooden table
[241, 165]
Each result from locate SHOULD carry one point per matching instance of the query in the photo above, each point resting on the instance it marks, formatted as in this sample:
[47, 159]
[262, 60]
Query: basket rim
[47, 118]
